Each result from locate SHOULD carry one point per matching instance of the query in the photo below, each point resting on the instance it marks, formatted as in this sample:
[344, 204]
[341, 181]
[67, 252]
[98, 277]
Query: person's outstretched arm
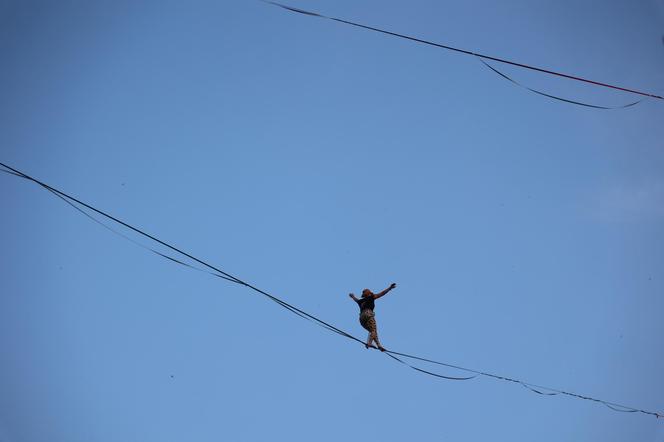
[385, 292]
[353, 297]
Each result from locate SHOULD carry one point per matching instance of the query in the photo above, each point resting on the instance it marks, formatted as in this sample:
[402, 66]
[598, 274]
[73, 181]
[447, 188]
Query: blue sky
[313, 159]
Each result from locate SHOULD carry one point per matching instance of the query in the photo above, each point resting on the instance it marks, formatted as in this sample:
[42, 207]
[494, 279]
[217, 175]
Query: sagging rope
[72, 201]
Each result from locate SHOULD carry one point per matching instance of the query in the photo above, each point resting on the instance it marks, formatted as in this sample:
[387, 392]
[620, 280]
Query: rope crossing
[217, 272]
[486, 57]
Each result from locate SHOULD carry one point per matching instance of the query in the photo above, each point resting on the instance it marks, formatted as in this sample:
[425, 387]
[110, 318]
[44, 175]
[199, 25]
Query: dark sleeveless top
[366, 303]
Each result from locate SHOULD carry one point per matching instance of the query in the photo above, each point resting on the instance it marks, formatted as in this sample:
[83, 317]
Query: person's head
[366, 293]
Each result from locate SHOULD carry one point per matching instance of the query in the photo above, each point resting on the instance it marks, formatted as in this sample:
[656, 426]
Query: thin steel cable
[451, 378]
[466, 52]
[390, 353]
[223, 274]
[533, 387]
[302, 314]
[555, 97]
[120, 234]
[170, 258]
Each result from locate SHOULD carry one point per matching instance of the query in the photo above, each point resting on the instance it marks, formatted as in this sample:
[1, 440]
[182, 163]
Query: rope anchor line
[485, 57]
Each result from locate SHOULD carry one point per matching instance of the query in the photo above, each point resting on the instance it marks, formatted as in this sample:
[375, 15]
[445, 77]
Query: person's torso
[366, 303]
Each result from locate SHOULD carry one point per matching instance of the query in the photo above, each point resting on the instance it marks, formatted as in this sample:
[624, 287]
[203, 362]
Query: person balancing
[367, 317]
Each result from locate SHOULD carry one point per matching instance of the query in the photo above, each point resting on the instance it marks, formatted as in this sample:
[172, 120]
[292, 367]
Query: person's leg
[373, 333]
[375, 338]
[365, 318]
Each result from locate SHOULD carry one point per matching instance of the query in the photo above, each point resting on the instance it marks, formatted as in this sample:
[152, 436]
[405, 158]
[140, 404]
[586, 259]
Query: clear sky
[313, 159]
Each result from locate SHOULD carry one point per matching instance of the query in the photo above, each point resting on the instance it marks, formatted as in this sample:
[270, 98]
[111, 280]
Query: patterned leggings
[368, 321]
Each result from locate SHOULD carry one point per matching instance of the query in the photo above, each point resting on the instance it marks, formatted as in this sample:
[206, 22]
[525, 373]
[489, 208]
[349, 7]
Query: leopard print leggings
[368, 321]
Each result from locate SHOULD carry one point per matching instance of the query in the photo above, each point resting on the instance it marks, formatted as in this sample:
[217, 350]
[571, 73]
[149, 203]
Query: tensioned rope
[539, 389]
[482, 56]
[71, 200]
[555, 97]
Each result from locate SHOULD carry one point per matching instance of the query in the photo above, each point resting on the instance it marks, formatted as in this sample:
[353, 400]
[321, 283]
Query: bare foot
[381, 348]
